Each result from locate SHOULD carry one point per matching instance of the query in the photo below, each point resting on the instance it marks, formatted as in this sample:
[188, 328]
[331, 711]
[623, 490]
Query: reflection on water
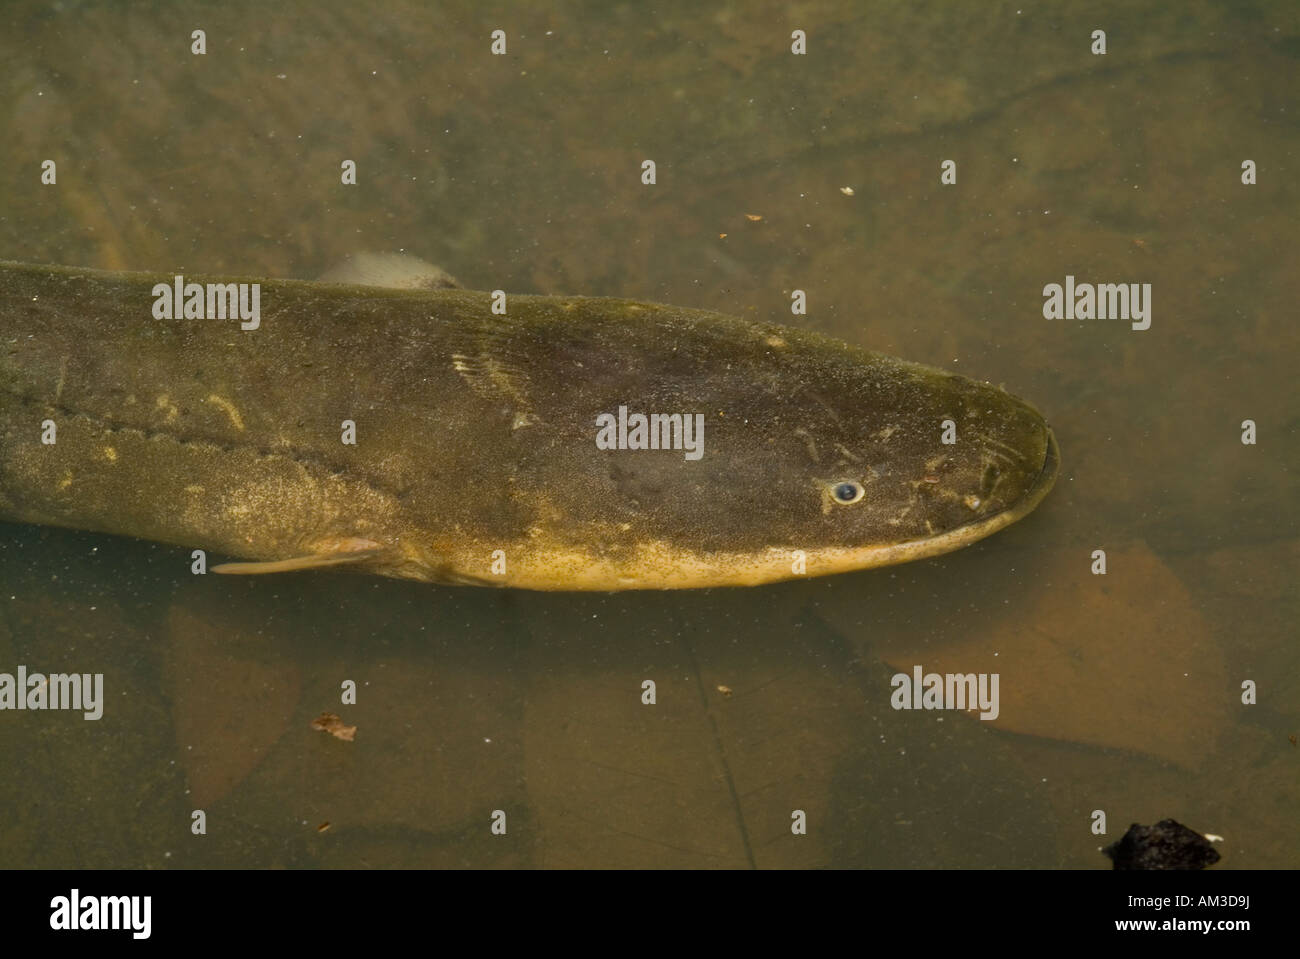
[1121, 692]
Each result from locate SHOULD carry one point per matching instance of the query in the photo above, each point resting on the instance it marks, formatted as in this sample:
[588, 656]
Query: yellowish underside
[658, 565]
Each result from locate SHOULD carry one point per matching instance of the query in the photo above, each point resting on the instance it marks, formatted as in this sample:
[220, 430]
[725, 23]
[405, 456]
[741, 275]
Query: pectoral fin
[336, 553]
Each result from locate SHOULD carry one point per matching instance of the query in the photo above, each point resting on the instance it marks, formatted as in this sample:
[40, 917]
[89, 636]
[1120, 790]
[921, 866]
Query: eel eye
[847, 492]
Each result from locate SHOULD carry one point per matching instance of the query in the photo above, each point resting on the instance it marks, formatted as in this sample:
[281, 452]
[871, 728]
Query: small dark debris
[1166, 845]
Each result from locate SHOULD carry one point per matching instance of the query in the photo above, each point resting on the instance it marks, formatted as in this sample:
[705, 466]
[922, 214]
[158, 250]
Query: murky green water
[1121, 692]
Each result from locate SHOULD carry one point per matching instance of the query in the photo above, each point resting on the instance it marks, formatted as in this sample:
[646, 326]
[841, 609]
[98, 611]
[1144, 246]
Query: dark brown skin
[476, 433]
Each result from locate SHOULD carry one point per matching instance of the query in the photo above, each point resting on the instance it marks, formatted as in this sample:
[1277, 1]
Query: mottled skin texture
[477, 432]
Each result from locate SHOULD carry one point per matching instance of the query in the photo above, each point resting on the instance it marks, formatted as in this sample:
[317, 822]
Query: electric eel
[417, 430]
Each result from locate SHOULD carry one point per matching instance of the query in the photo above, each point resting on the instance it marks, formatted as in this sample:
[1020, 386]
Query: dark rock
[1166, 845]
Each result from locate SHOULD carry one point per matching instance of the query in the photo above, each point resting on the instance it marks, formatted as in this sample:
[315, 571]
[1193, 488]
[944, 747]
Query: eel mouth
[971, 532]
[1042, 484]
